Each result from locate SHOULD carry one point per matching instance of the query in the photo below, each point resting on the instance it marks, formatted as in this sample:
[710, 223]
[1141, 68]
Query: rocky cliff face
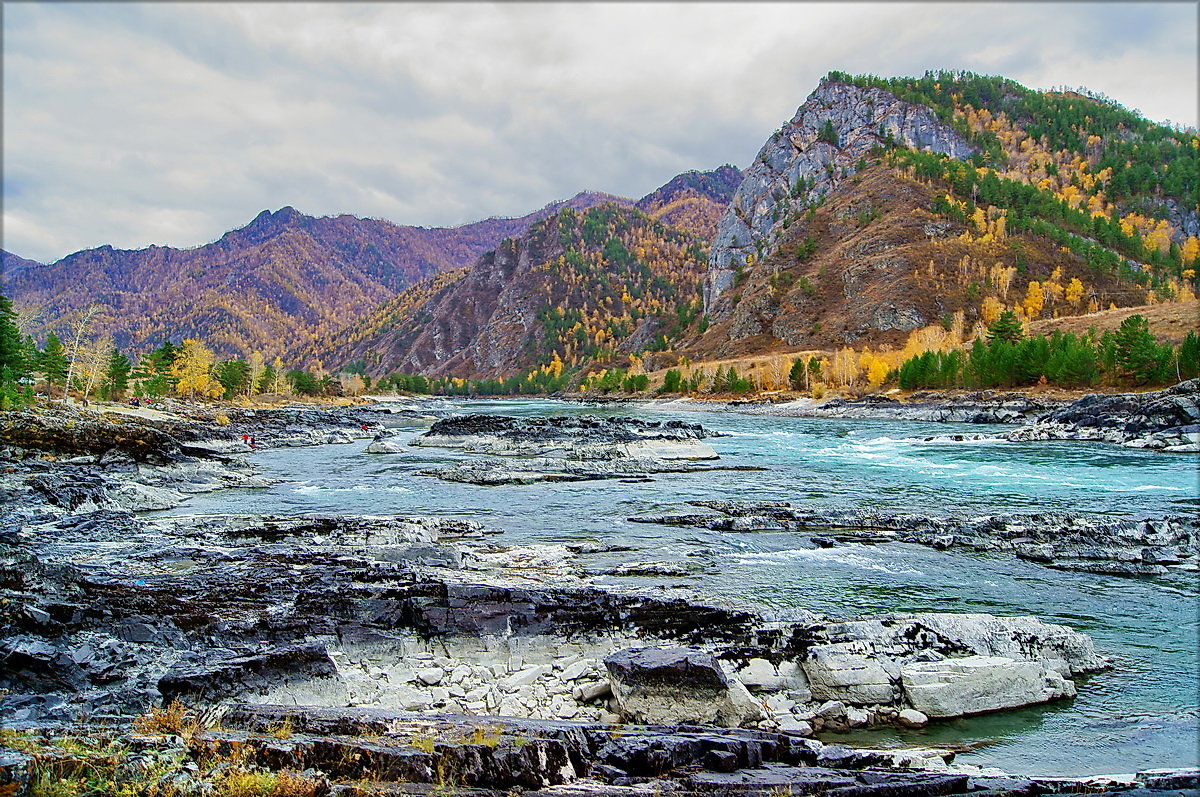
[801, 163]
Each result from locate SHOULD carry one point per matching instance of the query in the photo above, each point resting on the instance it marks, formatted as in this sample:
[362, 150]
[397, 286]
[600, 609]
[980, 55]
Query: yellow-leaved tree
[990, 310]
[1035, 299]
[1074, 293]
[193, 368]
[257, 366]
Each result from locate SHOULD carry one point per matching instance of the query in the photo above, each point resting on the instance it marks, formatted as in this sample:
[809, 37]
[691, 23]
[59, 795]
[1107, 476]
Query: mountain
[580, 287]
[419, 330]
[694, 201]
[283, 280]
[886, 205]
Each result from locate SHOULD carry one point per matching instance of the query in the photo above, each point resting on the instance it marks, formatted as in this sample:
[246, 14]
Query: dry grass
[1169, 322]
[176, 719]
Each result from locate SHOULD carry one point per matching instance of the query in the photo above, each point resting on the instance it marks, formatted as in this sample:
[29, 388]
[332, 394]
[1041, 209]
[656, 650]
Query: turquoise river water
[1142, 714]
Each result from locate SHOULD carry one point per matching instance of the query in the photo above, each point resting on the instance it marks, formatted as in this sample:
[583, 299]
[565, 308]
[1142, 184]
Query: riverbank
[1165, 420]
[113, 612]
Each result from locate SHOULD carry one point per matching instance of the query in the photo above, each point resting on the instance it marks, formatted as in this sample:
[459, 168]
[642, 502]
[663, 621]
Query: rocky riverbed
[529, 450]
[363, 654]
[1164, 420]
[419, 622]
[1067, 541]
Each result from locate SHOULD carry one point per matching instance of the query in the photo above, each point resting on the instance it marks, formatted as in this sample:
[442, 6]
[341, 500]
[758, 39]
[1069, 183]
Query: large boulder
[851, 672]
[978, 684]
[676, 686]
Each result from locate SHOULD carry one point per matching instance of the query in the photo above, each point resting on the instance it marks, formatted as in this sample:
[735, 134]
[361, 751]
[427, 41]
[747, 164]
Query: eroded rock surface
[1162, 420]
[678, 686]
[578, 437]
[567, 448]
[1063, 540]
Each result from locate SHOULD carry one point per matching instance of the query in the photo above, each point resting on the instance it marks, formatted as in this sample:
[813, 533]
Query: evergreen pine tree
[1189, 356]
[116, 375]
[1007, 328]
[1137, 352]
[14, 362]
[53, 360]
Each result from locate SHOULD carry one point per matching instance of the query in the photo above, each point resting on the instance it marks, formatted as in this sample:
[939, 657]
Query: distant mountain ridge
[615, 278]
[284, 281]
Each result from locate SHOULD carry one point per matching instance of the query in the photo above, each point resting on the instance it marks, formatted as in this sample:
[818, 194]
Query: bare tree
[73, 354]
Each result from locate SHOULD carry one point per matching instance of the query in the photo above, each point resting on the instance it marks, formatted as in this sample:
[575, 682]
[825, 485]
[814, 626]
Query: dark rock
[668, 686]
[1166, 420]
[1067, 541]
[248, 673]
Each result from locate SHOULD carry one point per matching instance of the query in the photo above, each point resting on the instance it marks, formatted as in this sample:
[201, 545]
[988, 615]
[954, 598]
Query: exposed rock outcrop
[577, 437]
[978, 684]
[677, 686]
[1068, 541]
[568, 448]
[1163, 420]
[862, 119]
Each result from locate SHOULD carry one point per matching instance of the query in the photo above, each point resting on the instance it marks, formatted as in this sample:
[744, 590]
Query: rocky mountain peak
[266, 225]
[836, 127]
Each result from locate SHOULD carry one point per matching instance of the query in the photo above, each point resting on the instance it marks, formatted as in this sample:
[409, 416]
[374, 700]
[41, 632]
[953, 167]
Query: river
[1145, 713]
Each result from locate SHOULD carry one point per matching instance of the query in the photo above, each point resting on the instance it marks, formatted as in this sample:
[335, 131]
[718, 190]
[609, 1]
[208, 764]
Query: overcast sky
[131, 124]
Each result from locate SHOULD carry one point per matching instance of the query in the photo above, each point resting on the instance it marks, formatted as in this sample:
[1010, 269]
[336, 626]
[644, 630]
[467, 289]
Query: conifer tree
[1006, 328]
[116, 375]
[53, 360]
[1138, 353]
[13, 356]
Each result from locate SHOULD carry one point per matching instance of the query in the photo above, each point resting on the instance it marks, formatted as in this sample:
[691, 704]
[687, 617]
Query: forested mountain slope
[885, 206]
[284, 280]
[578, 287]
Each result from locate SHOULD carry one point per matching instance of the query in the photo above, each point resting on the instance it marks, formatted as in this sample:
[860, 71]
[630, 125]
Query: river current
[1145, 713]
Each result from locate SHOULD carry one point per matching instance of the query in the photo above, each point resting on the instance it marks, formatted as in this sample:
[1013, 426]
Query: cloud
[133, 124]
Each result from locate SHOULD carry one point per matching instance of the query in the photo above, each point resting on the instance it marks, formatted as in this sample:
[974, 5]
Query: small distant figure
[364, 427]
[135, 402]
[253, 447]
[246, 439]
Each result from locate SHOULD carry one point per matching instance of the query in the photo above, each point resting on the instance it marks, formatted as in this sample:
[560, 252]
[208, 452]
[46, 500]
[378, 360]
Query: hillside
[282, 281]
[1168, 322]
[885, 206]
[682, 213]
[578, 287]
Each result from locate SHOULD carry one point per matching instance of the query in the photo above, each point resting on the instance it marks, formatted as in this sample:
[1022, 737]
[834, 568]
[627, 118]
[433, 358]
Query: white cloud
[133, 124]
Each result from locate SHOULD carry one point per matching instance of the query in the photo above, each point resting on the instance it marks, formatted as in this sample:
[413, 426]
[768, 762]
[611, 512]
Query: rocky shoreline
[1061, 540]
[416, 654]
[1163, 420]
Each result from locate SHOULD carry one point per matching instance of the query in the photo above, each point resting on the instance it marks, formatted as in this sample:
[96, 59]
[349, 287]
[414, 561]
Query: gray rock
[672, 686]
[431, 676]
[849, 671]
[979, 684]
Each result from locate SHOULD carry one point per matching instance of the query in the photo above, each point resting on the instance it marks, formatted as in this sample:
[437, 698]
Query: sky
[133, 124]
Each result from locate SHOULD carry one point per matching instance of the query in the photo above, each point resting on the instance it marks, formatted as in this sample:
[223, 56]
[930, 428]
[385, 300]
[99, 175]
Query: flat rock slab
[977, 684]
